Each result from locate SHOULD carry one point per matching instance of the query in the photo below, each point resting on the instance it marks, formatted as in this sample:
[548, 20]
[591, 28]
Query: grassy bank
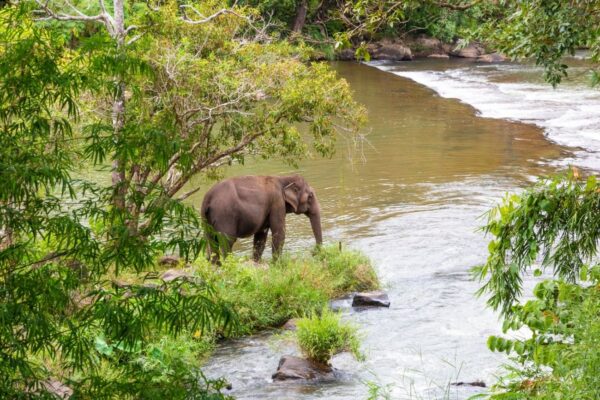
[257, 296]
[267, 295]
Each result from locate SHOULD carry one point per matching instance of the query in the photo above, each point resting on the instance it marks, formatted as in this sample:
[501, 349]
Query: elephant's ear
[290, 195]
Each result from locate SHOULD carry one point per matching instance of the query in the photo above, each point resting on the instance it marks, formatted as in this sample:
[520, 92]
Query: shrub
[322, 336]
[555, 226]
[348, 270]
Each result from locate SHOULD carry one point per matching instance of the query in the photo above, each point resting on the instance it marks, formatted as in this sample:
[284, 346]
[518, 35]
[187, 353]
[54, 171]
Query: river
[446, 140]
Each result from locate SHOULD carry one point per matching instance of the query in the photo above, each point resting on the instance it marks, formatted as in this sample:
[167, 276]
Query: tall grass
[321, 336]
[266, 295]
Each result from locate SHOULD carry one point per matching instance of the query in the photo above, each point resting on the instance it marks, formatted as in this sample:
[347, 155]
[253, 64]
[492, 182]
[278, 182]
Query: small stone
[169, 261]
[290, 325]
[294, 368]
[474, 383]
[445, 56]
[492, 58]
[371, 299]
[172, 274]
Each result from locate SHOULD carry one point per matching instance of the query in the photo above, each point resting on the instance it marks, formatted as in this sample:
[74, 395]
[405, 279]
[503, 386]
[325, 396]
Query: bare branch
[51, 14]
[204, 19]
[104, 17]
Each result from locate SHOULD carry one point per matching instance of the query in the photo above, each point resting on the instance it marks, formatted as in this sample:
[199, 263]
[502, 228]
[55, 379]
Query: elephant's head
[302, 199]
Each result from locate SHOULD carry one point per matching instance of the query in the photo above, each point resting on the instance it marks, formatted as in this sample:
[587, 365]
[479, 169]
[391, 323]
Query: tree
[162, 93]
[545, 31]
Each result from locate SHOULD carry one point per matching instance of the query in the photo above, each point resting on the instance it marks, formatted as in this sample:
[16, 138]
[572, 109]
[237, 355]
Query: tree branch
[51, 14]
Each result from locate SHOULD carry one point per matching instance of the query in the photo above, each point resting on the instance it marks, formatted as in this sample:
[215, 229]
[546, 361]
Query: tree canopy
[147, 96]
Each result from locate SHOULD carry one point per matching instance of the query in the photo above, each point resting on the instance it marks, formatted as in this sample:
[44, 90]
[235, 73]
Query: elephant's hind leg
[260, 241]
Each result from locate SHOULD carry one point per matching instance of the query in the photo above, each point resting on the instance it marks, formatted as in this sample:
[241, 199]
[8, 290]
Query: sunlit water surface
[432, 168]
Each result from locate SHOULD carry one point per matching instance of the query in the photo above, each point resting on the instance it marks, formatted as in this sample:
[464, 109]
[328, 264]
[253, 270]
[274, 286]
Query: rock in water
[390, 51]
[290, 325]
[474, 383]
[492, 58]
[294, 368]
[473, 50]
[371, 299]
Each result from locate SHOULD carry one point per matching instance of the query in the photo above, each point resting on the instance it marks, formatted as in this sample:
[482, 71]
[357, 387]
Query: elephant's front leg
[260, 241]
[277, 235]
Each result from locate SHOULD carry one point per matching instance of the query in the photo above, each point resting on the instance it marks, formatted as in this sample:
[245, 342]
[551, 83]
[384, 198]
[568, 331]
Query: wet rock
[371, 299]
[172, 274]
[294, 368]
[472, 50]
[446, 56]
[390, 51]
[492, 58]
[291, 325]
[345, 55]
[474, 383]
[424, 46]
[169, 261]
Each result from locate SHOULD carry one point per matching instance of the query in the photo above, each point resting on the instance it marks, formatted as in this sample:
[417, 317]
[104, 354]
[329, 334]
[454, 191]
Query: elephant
[251, 205]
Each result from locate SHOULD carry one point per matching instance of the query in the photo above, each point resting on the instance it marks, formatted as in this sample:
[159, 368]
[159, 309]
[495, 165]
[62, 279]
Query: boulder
[371, 299]
[294, 368]
[290, 325]
[424, 46]
[492, 58]
[172, 274]
[472, 50]
[345, 55]
[390, 51]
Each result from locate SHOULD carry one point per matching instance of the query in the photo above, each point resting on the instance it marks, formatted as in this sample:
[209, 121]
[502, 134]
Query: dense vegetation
[542, 30]
[555, 226]
[148, 96]
[151, 94]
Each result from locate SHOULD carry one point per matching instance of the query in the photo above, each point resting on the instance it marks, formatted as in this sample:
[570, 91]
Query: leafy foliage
[555, 220]
[323, 335]
[180, 97]
[561, 358]
[555, 224]
[545, 31]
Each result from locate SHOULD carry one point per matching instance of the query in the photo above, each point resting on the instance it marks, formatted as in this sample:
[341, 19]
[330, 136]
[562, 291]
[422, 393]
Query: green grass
[266, 295]
[321, 336]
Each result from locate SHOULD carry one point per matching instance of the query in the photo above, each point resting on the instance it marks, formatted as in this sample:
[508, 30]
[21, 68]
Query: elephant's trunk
[315, 221]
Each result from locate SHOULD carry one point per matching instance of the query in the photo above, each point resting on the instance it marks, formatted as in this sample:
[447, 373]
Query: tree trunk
[300, 16]
[118, 174]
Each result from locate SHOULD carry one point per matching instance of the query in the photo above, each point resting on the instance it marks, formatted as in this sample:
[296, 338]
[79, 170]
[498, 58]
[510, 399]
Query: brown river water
[413, 201]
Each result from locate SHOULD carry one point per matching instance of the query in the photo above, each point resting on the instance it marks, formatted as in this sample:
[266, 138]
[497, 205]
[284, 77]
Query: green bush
[553, 226]
[323, 335]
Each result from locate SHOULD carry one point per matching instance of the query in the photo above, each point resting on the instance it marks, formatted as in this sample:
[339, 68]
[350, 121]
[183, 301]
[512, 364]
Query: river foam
[569, 114]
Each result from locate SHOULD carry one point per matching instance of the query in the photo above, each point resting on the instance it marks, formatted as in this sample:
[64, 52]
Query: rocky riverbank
[421, 47]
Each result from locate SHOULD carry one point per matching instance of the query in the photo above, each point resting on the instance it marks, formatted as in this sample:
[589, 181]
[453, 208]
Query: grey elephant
[252, 205]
